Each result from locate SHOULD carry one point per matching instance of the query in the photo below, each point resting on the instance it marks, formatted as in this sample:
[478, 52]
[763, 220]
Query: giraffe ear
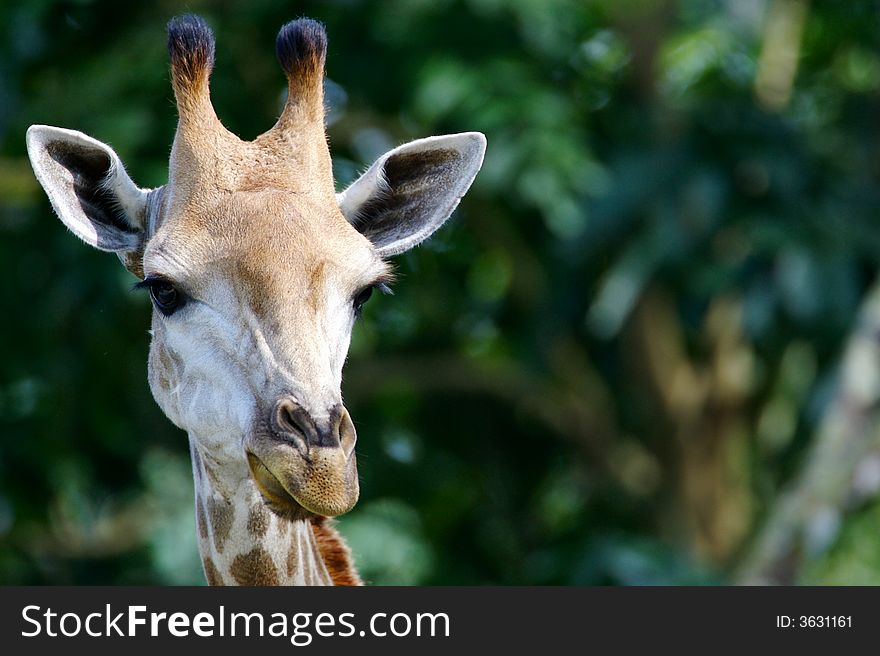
[89, 188]
[412, 190]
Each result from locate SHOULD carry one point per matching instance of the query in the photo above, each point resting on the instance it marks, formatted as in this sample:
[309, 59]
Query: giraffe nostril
[284, 416]
[289, 420]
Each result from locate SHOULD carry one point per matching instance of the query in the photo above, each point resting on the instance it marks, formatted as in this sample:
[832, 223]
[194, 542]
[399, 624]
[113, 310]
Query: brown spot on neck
[258, 521]
[212, 574]
[335, 553]
[221, 514]
[254, 568]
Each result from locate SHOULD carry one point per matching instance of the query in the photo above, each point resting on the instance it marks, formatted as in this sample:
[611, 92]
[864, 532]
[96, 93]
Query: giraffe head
[257, 269]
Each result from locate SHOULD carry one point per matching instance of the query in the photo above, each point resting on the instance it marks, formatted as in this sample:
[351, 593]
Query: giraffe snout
[303, 460]
[290, 421]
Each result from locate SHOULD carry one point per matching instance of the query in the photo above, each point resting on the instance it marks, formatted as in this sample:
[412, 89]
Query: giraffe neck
[242, 542]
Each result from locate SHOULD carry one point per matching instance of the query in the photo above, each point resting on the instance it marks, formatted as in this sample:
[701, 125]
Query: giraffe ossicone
[257, 270]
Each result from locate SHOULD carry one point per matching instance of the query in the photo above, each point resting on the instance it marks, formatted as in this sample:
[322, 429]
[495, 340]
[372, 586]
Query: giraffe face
[251, 325]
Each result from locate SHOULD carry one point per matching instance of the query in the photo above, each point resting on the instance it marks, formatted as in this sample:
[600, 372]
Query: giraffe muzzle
[298, 462]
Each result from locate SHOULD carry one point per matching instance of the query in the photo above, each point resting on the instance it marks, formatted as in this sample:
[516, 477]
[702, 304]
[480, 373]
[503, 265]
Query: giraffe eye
[165, 295]
[362, 297]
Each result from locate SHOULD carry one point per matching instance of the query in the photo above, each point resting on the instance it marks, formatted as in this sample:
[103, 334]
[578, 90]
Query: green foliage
[602, 371]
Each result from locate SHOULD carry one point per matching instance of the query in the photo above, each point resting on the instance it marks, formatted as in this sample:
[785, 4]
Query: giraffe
[257, 270]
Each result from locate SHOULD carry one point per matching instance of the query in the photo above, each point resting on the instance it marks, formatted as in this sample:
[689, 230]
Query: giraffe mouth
[325, 483]
[271, 488]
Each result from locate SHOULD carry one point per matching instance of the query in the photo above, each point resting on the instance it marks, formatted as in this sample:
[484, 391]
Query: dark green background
[604, 370]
